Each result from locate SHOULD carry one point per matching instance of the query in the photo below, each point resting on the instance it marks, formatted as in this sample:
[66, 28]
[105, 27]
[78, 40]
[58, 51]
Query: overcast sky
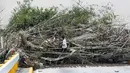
[121, 7]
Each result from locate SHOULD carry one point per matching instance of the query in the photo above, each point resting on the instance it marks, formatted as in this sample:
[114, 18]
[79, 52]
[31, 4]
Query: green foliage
[26, 16]
[81, 15]
[69, 17]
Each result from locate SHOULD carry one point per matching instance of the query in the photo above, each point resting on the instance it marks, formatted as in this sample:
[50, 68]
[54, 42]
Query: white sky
[121, 7]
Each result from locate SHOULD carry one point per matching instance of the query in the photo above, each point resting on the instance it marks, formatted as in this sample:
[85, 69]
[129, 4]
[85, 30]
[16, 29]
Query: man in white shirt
[64, 43]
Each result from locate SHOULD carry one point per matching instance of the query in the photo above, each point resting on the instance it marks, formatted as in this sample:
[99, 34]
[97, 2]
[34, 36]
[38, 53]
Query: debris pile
[89, 40]
[108, 45]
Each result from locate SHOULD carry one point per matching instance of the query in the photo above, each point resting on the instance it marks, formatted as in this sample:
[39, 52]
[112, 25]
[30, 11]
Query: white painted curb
[5, 68]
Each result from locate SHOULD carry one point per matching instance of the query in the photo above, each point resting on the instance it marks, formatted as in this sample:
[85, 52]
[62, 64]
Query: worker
[22, 61]
[10, 52]
[64, 43]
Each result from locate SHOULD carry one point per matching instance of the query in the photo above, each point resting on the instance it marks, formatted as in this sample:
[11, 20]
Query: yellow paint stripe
[13, 55]
[14, 68]
[1, 65]
[6, 61]
[9, 58]
[30, 70]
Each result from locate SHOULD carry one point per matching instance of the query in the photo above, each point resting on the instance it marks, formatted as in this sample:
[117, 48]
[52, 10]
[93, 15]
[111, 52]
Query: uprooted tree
[93, 35]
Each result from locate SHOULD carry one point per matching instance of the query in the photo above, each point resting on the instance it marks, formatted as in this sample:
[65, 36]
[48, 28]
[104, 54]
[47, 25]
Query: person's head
[12, 51]
[63, 37]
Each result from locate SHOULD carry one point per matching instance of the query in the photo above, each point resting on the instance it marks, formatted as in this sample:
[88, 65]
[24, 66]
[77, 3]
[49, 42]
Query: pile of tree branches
[92, 36]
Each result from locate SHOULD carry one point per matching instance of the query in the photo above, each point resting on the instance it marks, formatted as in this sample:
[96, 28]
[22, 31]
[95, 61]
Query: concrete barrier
[10, 65]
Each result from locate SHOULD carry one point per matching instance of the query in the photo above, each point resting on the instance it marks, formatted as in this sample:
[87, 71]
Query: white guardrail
[10, 65]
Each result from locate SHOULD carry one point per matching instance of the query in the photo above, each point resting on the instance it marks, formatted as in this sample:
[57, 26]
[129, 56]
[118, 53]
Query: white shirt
[64, 44]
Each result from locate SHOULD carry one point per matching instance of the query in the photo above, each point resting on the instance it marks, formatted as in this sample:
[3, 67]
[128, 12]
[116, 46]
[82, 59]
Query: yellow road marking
[1, 65]
[6, 61]
[30, 70]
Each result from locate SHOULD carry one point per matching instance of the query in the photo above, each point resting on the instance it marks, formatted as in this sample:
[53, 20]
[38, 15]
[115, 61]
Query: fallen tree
[92, 38]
